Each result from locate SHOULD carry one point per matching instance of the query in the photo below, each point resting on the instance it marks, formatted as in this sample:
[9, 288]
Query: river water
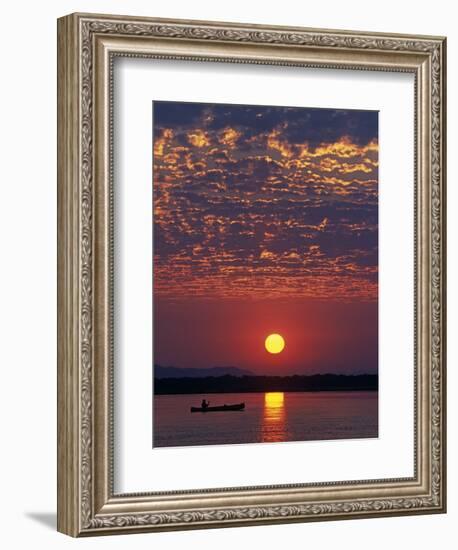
[268, 417]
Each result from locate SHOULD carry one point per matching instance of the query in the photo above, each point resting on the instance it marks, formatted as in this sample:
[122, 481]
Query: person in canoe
[205, 407]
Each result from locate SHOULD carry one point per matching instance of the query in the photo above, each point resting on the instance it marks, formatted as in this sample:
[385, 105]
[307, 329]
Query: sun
[275, 343]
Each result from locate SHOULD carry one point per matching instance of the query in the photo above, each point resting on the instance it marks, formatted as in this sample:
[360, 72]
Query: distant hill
[181, 372]
[248, 383]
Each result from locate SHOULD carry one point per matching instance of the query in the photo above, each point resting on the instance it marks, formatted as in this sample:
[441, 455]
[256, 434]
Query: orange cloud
[161, 142]
[229, 137]
[199, 138]
[282, 147]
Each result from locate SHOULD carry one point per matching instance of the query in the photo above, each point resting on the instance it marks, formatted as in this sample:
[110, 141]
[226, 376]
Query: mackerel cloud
[265, 202]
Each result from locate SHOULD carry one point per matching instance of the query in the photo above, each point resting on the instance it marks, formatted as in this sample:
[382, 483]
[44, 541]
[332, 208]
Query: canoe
[221, 408]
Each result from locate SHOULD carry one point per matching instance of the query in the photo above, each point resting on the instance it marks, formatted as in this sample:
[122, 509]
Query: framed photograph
[251, 283]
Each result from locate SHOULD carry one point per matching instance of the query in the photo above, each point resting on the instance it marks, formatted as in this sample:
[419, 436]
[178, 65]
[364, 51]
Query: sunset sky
[265, 220]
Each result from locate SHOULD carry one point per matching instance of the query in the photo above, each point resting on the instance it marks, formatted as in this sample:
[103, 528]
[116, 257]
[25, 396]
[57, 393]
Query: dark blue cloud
[311, 125]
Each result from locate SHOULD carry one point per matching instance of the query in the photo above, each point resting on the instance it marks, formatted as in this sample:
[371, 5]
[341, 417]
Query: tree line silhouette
[245, 384]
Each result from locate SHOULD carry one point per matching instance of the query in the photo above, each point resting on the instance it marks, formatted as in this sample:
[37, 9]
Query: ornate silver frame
[87, 44]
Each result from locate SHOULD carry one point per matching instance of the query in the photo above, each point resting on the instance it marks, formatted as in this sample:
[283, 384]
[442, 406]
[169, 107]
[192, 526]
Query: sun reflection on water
[274, 400]
[273, 428]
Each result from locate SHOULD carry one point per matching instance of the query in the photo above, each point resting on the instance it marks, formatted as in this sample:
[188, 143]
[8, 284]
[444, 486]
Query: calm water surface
[268, 417]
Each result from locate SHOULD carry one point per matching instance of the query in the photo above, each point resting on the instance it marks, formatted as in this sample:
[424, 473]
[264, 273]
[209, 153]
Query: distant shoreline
[262, 384]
